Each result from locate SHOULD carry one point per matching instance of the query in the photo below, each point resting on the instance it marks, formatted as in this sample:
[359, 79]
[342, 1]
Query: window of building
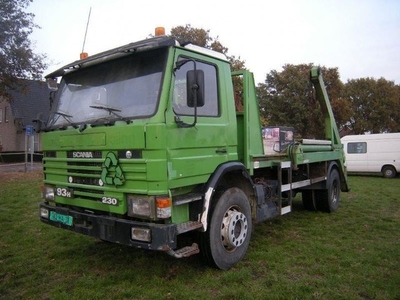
[357, 148]
[1, 115]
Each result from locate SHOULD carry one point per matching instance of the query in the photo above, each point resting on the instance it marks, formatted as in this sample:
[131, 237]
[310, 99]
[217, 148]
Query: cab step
[185, 251]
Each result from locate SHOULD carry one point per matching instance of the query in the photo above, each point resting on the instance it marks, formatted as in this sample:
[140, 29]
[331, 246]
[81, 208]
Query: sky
[359, 37]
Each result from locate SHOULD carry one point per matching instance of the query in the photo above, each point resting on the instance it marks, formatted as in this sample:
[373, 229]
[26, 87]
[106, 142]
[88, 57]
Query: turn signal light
[163, 207]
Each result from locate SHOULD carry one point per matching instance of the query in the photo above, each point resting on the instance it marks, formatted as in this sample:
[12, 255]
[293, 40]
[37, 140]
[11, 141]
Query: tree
[17, 59]
[287, 98]
[200, 37]
[374, 104]
[187, 34]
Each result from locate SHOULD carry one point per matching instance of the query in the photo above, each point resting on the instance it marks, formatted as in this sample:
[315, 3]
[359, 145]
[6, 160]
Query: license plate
[64, 192]
[60, 218]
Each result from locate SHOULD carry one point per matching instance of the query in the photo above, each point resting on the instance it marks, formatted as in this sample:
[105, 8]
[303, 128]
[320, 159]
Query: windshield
[121, 89]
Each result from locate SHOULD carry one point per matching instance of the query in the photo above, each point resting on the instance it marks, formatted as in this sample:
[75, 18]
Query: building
[18, 112]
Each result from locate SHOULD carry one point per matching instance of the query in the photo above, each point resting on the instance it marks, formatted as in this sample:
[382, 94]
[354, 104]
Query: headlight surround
[149, 207]
[141, 234]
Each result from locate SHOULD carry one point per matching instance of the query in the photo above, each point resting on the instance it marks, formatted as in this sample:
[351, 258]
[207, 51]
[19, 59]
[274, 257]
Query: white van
[373, 153]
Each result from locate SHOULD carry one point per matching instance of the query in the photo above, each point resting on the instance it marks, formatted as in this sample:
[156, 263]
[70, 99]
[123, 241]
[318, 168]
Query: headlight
[48, 193]
[141, 206]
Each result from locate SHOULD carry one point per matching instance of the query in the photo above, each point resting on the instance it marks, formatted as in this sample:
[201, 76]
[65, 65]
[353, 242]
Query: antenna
[84, 54]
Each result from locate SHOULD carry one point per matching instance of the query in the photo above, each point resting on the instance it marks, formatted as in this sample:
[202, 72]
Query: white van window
[357, 148]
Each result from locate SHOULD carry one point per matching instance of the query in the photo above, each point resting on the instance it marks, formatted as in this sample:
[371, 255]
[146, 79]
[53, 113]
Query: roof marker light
[83, 55]
[159, 31]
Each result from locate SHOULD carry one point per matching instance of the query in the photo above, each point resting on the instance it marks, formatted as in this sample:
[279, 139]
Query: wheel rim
[233, 229]
[388, 173]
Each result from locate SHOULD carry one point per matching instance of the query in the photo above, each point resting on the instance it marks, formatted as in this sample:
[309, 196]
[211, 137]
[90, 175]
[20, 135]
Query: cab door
[200, 136]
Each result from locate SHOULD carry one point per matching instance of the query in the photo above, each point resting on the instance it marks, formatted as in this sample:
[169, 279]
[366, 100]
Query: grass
[351, 254]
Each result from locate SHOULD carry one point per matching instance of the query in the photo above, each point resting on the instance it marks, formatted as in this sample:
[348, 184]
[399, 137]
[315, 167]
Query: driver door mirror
[195, 88]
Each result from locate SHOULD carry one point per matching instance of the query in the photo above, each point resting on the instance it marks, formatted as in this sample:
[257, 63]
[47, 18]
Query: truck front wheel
[228, 235]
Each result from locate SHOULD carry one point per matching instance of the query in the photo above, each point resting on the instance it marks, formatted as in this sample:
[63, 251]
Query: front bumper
[115, 230]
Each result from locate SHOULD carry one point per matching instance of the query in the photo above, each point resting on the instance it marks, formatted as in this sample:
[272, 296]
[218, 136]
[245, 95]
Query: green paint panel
[82, 140]
[180, 213]
[156, 136]
[96, 138]
[96, 205]
[126, 137]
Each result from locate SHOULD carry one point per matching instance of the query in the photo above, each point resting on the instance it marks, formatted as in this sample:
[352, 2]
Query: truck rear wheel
[328, 200]
[229, 230]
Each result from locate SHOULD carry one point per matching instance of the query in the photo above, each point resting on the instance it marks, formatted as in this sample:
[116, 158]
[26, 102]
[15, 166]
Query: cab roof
[147, 44]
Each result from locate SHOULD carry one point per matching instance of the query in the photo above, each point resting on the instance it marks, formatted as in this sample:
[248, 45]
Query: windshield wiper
[66, 117]
[111, 111]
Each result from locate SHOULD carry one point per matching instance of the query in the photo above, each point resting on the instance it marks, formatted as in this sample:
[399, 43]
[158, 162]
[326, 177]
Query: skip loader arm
[331, 130]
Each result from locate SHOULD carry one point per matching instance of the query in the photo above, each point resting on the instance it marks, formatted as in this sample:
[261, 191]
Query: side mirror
[195, 88]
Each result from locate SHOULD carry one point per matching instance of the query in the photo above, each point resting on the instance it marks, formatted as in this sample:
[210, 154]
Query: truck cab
[147, 141]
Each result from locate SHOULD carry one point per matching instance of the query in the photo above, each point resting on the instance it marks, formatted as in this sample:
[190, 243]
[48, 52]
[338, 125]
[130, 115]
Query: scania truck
[146, 144]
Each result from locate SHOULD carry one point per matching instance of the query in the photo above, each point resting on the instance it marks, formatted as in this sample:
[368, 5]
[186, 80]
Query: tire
[389, 172]
[229, 230]
[328, 200]
[308, 199]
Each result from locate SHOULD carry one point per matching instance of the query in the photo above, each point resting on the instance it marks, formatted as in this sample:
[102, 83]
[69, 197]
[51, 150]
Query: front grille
[88, 164]
[84, 167]
[82, 171]
[79, 168]
[84, 180]
[88, 194]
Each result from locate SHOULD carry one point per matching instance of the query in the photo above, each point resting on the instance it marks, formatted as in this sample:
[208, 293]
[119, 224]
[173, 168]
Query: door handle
[221, 151]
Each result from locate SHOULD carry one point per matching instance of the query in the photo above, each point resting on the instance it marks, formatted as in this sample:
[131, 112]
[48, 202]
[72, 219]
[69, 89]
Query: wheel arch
[231, 174]
[332, 165]
[343, 181]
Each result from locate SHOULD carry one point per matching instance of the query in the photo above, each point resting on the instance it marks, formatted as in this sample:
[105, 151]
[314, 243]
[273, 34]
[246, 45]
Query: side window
[180, 101]
[357, 148]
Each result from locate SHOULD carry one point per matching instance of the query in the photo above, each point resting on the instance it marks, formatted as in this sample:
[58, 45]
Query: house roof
[30, 102]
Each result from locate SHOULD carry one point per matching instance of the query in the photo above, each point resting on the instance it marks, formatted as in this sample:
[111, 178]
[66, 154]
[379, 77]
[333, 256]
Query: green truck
[156, 144]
